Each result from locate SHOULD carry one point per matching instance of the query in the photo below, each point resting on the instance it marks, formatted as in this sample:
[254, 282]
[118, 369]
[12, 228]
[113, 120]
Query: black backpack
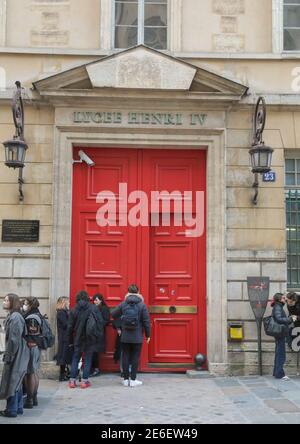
[130, 317]
[94, 327]
[46, 338]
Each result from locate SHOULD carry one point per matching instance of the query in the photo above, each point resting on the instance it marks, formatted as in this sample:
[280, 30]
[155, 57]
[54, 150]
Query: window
[141, 22]
[291, 25]
[292, 179]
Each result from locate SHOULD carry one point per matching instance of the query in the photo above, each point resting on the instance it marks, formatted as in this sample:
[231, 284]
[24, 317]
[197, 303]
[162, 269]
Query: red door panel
[167, 265]
[174, 338]
[103, 258]
[177, 262]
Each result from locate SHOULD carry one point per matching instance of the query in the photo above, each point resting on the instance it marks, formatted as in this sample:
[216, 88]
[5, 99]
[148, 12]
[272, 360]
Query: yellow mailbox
[236, 331]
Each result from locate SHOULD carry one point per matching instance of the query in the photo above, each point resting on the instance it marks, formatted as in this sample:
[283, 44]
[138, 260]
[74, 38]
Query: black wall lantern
[15, 149]
[261, 154]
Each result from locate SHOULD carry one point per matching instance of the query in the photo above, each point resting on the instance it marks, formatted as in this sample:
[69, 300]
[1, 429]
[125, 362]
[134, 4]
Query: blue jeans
[279, 358]
[86, 367]
[14, 404]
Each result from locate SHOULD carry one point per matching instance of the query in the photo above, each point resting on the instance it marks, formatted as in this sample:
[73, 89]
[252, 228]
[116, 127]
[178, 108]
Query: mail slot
[236, 331]
[178, 309]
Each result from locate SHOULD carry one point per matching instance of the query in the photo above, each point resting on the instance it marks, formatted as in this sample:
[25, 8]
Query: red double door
[167, 265]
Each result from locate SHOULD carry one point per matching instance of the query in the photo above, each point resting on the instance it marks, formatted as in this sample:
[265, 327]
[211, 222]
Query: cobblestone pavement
[167, 399]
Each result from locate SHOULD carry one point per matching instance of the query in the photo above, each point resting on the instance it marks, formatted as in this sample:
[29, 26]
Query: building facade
[160, 95]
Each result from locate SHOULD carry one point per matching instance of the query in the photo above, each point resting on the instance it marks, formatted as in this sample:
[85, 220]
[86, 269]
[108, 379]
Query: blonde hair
[61, 303]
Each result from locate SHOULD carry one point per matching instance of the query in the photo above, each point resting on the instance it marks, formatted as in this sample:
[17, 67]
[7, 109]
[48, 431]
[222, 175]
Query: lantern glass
[15, 151]
[261, 158]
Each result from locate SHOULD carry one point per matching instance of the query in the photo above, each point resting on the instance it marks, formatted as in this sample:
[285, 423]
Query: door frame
[214, 142]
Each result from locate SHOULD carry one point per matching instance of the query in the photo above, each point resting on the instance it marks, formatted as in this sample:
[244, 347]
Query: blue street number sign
[269, 177]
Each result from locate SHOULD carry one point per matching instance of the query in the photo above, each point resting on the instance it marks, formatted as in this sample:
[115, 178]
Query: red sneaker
[72, 385]
[85, 385]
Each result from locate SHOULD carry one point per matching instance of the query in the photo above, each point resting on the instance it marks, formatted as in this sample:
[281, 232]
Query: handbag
[272, 328]
[2, 340]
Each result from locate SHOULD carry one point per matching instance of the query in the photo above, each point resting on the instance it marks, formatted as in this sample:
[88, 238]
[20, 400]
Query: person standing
[64, 352]
[100, 303]
[135, 322]
[78, 340]
[281, 318]
[33, 319]
[16, 357]
[293, 306]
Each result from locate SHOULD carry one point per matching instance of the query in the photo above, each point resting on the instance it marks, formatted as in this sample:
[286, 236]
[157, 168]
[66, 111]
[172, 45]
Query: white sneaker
[125, 383]
[285, 378]
[135, 383]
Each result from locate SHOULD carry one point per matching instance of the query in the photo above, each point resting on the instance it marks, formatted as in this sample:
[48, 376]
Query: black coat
[64, 352]
[135, 336]
[295, 310]
[279, 314]
[76, 327]
[105, 313]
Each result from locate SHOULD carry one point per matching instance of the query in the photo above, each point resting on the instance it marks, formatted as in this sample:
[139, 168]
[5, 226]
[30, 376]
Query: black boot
[63, 377]
[28, 403]
[35, 400]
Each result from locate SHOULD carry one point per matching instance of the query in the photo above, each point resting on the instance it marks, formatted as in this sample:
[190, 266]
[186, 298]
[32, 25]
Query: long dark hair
[277, 298]
[100, 297]
[82, 296]
[14, 303]
[33, 303]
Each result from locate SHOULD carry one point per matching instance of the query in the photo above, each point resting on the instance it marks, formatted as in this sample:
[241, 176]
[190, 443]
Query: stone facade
[229, 43]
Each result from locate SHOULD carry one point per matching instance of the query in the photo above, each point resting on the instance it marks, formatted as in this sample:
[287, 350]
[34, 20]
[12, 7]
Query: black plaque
[20, 231]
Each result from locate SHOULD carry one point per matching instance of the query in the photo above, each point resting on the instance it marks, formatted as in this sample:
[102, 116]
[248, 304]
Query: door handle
[173, 309]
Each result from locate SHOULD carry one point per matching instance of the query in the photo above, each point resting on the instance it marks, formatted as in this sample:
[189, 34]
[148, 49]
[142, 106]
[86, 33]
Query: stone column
[2, 22]
[175, 25]
[277, 26]
[106, 25]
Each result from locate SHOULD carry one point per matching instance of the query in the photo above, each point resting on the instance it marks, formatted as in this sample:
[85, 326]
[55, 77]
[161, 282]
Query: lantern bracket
[258, 145]
[18, 111]
[15, 148]
[259, 121]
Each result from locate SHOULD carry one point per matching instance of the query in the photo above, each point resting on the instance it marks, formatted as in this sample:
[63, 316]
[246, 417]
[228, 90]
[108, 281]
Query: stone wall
[256, 239]
[56, 23]
[25, 268]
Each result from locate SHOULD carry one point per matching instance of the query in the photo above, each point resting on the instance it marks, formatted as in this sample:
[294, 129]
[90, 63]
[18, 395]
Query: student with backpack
[33, 320]
[85, 331]
[135, 321]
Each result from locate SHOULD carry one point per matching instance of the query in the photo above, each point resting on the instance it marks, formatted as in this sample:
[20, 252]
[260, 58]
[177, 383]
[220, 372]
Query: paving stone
[266, 393]
[167, 399]
[230, 391]
[228, 382]
[282, 406]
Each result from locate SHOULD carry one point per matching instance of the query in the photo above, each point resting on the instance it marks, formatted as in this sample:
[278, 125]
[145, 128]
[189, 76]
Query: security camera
[84, 158]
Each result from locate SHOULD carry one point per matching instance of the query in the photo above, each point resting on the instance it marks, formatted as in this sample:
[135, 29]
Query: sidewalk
[167, 399]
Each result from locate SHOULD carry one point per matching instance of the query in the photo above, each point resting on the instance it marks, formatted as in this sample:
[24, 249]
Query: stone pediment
[141, 68]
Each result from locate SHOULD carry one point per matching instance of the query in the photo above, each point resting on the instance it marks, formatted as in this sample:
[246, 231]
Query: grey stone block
[194, 374]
